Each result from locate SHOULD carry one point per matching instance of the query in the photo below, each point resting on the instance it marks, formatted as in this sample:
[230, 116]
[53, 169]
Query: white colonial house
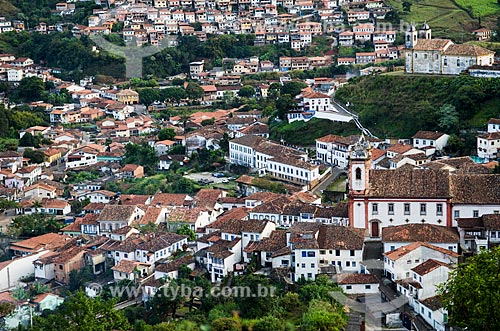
[398, 264]
[435, 139]
[81, 158]
[267, 157]
[488, 145]
[358, 283]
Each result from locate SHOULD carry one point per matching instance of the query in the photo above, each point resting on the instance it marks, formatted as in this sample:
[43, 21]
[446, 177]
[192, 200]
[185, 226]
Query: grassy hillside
[400, 105]
[448, 18]
[304, 133]
[480, 8]
[7, 9]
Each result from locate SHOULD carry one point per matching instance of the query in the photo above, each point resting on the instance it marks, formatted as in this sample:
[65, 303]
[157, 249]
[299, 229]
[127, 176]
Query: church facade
[425, 55]
[410, 195]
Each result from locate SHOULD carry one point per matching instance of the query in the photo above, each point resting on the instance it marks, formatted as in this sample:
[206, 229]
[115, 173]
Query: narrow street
[328, 180]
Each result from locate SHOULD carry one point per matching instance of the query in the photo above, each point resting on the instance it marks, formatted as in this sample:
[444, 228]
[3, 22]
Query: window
[353, 264]
[475, 213]
[368, 287]
[313, 265]
[358, 173]
[408, 262]
[347, 263]
[456, 214]
[337, 252]
[439, 209]
[390, 209]
[493, 234]
[304, 254]
[407, 208]
[352, 253]
[375, 209]
[445, 62]
[458, 62]
[423, 209]
[303, 265]
[309, 275]
[348, 287]
[311, 254]
[417, 261]
[322, 252]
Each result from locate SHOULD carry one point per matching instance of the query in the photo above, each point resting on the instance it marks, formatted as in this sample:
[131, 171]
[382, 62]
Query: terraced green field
[480, 8]
[448, 18]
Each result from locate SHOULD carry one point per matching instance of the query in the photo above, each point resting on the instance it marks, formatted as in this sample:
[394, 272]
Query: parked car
[218, 174]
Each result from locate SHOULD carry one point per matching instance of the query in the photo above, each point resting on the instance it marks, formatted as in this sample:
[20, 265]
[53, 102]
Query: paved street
[205, 175]
[5, 219]
[336, 171]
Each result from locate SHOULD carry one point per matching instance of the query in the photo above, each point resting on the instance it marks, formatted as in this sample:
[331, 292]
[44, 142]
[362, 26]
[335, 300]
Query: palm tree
[37, 205]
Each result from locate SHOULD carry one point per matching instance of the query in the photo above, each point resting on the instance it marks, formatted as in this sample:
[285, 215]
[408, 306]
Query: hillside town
[236, 167]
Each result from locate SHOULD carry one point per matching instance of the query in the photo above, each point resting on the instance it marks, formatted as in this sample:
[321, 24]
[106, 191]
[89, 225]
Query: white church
[425, 55]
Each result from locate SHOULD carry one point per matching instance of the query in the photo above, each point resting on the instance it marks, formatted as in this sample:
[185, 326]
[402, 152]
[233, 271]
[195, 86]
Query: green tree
[173, 94]
[27, 140]
[448, 118]
[148, 96]
[7, 204]
[323, 316]
[293, 88]
[166, 134]
[79, 312]
[226, 324]
[30, 89]
[246, 91]
[209, 121]
[194, 91]
[185, 230]
[4, 122]
[33, 225]
[284, 104]
[472, 293]
[20, 294]
[269, 323]
[6, 308]
[35, 156]
[141, 154]
[78, 278]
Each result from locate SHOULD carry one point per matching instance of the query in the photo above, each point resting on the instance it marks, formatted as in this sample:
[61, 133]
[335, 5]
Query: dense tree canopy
[472, 294]
[79, 312]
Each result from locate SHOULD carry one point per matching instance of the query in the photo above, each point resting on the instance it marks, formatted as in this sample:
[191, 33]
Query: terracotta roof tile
[409, 183]
[420, 232]
[402, 251]
[428, 266]
[345, 279]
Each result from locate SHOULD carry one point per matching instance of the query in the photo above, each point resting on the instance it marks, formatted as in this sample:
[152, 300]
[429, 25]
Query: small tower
[360, 164]
[425, 31]
[411, 37]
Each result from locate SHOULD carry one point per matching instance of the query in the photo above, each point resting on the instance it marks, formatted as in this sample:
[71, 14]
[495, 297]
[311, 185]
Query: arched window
[358, 173]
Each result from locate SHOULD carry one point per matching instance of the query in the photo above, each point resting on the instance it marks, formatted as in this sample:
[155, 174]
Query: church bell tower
[360, 164]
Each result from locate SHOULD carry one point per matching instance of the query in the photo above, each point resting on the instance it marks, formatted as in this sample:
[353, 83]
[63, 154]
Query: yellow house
[128, 97]
[52, 155]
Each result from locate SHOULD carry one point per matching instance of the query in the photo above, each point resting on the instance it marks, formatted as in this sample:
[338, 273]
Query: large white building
[441, 56]
[278, 161]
